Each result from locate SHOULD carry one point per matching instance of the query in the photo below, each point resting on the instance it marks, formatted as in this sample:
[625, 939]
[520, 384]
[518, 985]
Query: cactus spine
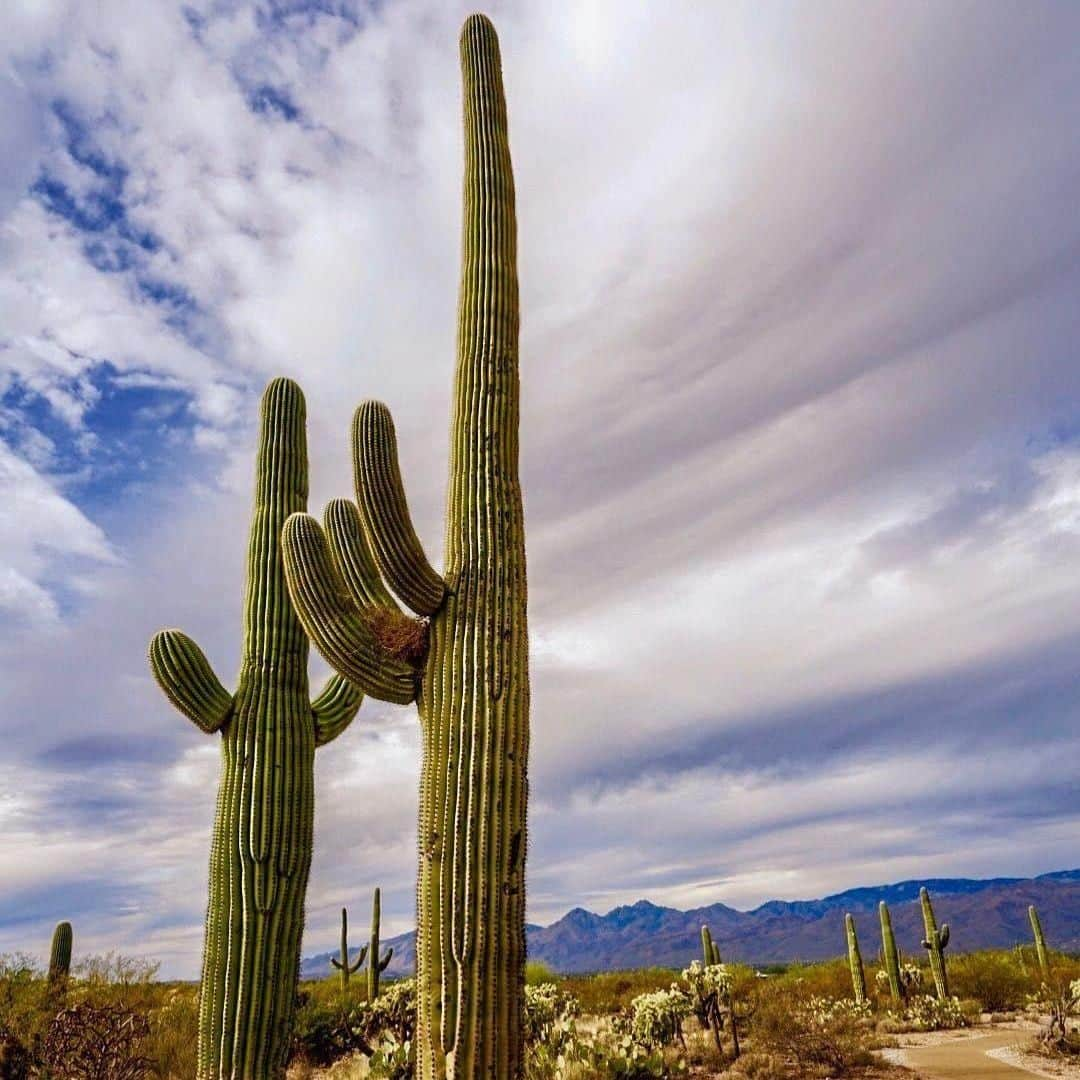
[375, 966]
[891, 954]
[858, 976]
[60, 953]
[472, 686]
[709, 949]
[935, 942]
[1040, 942]
[341, 961]
[260, 855]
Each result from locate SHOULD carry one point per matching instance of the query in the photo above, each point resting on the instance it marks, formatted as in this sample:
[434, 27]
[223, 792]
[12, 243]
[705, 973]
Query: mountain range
[989, 913]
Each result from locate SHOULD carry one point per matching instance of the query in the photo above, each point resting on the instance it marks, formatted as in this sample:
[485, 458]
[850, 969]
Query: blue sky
[801, 430]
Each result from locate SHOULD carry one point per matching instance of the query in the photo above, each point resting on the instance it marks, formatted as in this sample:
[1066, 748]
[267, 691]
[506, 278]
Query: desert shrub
[609, 992]
[172, 1044]
[97, 1042]
[826, 979]
[1060, 997]
[835, 1033]
[537, 972]
[14, 1057]
[993, 978]
[656, 1019]
[923, 1012]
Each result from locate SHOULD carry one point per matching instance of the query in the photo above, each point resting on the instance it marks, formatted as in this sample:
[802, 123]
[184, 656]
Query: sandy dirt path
[966, 1059]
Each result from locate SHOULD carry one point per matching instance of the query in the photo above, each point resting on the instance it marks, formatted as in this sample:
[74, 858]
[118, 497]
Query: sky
[800, 431]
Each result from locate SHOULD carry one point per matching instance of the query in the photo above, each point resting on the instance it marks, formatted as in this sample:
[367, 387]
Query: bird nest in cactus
[398, 635]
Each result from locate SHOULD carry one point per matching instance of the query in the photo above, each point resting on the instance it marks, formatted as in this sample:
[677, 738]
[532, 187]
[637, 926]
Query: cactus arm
[352, 556]
[385, 511]
[184, 674]
[334, 709]
[943, 935]
[333, 622]
[385, 963]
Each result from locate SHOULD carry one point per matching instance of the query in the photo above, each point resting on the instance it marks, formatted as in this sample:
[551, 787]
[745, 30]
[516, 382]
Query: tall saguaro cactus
[60, 953]
[260, 855]
[472, 686]
[376, 964]
[1040, 942]
[891, 954]
[858, 975]
[341, 961]
[935, 942]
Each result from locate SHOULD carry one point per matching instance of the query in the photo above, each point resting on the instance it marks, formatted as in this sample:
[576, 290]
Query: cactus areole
[471, 685]
[260, 855]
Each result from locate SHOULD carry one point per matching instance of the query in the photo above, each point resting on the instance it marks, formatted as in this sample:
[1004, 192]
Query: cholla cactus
[710, 990]
[656, 1019]
[934, 943]
[465, 661]
[341, 961]
[858, 975]
[60, 953]
[1040, 942]
[927, 1013]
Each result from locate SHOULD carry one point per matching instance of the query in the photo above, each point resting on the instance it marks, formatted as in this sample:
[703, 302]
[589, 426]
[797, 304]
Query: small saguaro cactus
[709, 949]
[891, 955]
[260, 855]
[60, 953]
[341, 961]
[376, 966]
[934, 943]
[1040, 942]
[465, 661]
[858, 976]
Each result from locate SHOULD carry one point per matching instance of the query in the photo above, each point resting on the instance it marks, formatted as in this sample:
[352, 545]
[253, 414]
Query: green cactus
[858, 976]
[1040, 942]
[471, 655]
[60, 953]
[934, 943]
[341, 961]
[260, 856]
[709, 949]
[890, 955]
[375, 966]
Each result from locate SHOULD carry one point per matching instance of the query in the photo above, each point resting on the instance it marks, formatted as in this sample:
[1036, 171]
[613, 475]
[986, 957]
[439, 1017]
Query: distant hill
[983, 914]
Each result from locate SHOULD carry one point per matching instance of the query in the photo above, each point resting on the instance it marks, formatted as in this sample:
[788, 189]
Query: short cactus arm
[185, 675]
[333, 710]
[385, 511]
[385, 962]
[335, 625]
[943, 935]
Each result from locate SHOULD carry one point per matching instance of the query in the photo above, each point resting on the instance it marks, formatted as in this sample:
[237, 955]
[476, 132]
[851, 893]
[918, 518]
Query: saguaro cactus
[891, 955]
[376, 966]
[709, 949]
[60, 953]
[472, 685]
[1040, 942]
[341, 961]
[261, 850]
[935, 942]
[858, 976]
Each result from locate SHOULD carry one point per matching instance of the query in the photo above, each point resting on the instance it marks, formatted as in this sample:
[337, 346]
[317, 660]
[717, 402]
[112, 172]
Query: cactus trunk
[1040, 942]
[376, 964]
[858, 976]
[935, 942]
[709, 949]
[341, 962]
[261, 847]
[60, 953]
[891, 955]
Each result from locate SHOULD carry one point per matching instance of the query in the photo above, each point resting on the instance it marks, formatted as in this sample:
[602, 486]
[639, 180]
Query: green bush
[994, 979]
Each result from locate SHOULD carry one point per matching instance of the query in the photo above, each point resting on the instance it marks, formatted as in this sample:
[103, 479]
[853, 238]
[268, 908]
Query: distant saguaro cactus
[341, 961]
[891, 955]
[1040, 942]
[935, 942]
[60, 952]
[376, 966]
[709, 949]
[470, 680]
[260, 856]
[858, 975]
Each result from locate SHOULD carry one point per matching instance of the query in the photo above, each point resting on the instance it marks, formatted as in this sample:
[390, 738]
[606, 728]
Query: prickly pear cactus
[469, 650]
[891, 955]
[935, 942]
[260, 855]
[1040, 942]
[376, 965]
[341, 961]
[858, 976]
[60, 953]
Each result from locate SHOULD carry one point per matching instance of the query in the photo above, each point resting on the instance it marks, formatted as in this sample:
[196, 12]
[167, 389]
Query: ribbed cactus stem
[935, 942]
[60, 952]
[260, 854]
[890, 954]
[706, 946]
[376, 964]
[1040, 942]
[341, 961]
[472, 689]
[858, 976]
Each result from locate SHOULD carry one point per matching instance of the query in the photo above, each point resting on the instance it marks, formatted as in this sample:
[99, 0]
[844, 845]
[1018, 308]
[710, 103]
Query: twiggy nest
[398, 635]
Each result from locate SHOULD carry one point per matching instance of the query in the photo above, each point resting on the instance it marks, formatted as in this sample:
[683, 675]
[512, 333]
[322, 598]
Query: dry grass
[398, 635]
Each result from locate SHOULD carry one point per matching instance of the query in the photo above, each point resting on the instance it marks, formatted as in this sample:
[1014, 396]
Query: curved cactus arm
[385, 963]
[943, 935]
[332, 621]
[361, 956]
[385, 511]
[334, 709]
[352, 555]
[185, 675]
